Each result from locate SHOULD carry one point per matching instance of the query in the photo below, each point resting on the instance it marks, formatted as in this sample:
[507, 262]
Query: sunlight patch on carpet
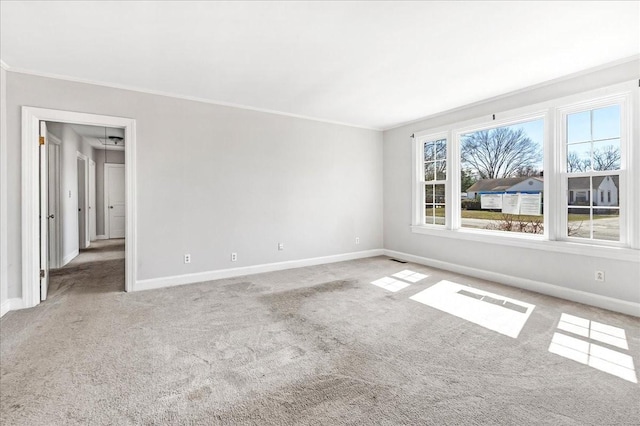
[390, 284]
[588, 353]
[408, 275]
[497, 313]
[594, 330]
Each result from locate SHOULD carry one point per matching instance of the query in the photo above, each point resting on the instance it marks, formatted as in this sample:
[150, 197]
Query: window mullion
[453, 193]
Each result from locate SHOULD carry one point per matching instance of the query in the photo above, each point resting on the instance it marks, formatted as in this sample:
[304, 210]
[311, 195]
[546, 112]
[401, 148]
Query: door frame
[83, 240]
[105, 193]
[31, 117]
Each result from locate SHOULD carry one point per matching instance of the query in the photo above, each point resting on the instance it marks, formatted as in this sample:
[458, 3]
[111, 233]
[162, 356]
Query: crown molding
[183, 97]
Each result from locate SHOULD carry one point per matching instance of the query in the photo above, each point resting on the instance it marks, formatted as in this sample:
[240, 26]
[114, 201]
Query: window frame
[419, 182]
[554, 165]
[626, 119]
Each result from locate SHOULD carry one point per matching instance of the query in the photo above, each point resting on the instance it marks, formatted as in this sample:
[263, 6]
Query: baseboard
[174, 280]
[101, 237]
[68, 258]
[605, 302]
[11, 305]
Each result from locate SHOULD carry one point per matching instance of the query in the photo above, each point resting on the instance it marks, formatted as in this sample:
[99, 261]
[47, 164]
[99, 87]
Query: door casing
[31, 117]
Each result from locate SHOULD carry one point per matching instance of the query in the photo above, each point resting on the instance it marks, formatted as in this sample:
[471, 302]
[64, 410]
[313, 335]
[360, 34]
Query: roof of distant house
[499, 184]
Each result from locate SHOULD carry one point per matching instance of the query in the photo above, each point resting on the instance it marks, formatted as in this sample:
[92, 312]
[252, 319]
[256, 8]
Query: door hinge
[41, 273]
[41, 140]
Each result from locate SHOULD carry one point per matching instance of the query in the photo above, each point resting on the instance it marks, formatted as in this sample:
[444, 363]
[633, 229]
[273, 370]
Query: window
[434, 173]
[537, 176]
[502, 175]
[593, 165]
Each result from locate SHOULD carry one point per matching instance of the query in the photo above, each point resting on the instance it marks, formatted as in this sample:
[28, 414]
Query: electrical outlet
[599, 276]
[280, 246]
[234, 257]
[357, 240]
[187, 258]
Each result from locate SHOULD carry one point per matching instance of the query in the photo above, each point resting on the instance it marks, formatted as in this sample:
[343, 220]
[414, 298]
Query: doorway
[35, 247]
[114, 200]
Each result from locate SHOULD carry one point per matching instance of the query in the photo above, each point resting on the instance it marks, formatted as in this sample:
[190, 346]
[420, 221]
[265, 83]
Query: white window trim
[624, 100]
[418, 188]
[553, 239]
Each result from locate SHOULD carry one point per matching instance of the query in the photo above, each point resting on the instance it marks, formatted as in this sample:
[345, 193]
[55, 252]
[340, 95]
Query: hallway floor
[98, 268]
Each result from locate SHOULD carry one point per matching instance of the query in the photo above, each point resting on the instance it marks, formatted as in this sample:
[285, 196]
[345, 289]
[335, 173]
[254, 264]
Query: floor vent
[399, 261]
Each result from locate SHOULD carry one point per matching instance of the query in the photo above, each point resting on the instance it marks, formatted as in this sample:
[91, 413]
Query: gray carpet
[317, 345]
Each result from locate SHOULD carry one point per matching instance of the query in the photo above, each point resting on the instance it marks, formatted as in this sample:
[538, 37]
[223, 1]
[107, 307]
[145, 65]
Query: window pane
[606, 123]
[579, 157]
[441, 170]
[502, 176]
[439, 194]
[429, 214]
[606, 224]
[579, 127]
[435, 214]
[605, 190]
[579, 223]
[440, 213]
[606, 155]
[428, 152]
[440, 149]
[428, 171]
[428, 194]
[580, 191]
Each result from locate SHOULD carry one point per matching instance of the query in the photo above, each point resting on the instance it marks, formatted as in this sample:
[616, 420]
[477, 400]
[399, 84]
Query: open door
[92, 200]
[44, 213]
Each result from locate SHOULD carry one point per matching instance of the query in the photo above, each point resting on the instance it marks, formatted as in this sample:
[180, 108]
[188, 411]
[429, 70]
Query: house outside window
[594, 159]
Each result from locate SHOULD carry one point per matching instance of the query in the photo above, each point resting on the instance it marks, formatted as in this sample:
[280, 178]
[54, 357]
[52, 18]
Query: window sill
[535, 242]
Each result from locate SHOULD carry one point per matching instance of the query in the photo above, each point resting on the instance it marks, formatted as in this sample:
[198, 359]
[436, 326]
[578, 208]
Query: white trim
[185, 97]
[11, 305]
[68, 258]
[198, 277]
[101, 237]
[4, 65]
[605, 302]
[5, 307]
[533, 242]
[29, 213]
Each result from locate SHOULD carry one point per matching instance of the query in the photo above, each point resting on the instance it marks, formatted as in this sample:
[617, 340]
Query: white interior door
[114, 193]
[53, 153]
[82, 230]
[92, 200]
[44, 213]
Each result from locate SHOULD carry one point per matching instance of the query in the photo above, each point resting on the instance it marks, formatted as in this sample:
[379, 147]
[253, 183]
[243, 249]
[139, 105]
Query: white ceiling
[369, 64]
[96, 136]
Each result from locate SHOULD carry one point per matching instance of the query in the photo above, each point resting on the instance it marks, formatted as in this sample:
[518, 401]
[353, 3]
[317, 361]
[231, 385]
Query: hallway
[98, 269]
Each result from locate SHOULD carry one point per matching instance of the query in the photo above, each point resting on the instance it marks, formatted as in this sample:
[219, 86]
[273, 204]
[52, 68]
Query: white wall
[114, 157]
[214, 179]
[568, 271]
